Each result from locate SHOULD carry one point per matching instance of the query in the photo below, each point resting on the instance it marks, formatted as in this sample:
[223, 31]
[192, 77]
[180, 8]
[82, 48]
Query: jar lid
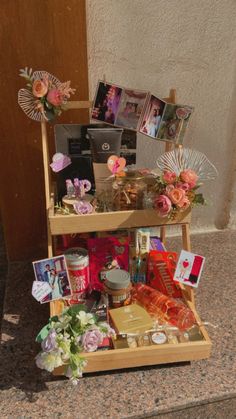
[75, 254]
[130, 175]
[117, 279]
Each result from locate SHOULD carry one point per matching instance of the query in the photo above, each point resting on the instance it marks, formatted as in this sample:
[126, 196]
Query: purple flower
[91, 340]
[49, 343]
[83, 207]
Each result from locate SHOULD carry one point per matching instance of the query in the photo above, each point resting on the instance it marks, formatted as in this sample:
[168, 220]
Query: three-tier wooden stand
[69, 224]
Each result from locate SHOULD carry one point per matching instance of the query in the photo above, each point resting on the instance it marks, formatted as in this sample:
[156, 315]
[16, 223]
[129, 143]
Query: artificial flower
[49, 343]
[168, 189]
[85, 318]
[44, 97]
[163, 205]
[92, 339]
[189, 176]
[55, 97]
[49, 360]
[184, 203]
[169, 177]
[65, 338]
[182, 185]
[176, 195]
[40, 87]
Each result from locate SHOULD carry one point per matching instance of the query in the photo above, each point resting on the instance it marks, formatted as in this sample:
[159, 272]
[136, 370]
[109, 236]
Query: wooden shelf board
[148, 355]
[69, 224]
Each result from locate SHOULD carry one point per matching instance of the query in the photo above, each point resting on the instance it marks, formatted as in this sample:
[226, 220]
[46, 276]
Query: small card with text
[189, 268]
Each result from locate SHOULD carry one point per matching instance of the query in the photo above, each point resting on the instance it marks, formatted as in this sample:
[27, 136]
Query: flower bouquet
[45, 95]
[183, 171]
[66, 336]
[177, 193]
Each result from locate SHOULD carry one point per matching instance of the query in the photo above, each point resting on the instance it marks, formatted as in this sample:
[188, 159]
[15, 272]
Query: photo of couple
[152, 118]
[54, 272]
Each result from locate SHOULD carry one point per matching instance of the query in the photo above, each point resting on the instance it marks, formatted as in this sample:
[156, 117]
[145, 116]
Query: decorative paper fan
[27, 100]
[181, 159]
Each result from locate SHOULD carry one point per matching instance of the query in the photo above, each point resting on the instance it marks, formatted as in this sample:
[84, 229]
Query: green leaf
[75, 309]
[53, 319]
[43, 333]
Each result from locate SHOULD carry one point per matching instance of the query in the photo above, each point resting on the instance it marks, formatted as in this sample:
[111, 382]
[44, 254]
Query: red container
[78, 267]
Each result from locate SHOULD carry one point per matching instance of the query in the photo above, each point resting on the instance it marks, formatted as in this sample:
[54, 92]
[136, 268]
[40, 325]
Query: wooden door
[45, 35]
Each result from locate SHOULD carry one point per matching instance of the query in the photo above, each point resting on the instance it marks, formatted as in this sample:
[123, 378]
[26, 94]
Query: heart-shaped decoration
[116, 164]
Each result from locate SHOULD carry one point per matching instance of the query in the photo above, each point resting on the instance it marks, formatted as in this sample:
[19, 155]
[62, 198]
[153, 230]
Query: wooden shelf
[69, 224]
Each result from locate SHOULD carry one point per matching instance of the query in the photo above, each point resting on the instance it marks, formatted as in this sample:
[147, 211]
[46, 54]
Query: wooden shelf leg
[189, 293]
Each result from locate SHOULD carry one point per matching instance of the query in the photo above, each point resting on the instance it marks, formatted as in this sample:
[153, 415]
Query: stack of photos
[140, 111]
[54, 272]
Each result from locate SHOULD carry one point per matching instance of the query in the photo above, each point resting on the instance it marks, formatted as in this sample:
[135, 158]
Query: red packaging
[160, 273]
[104, 251]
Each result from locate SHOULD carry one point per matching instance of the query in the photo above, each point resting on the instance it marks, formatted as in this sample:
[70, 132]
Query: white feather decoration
[181, 159]
[27, 100]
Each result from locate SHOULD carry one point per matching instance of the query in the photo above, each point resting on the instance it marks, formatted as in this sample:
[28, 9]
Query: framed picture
[53, 271]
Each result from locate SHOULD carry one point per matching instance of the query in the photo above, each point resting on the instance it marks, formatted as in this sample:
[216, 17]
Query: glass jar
[128, 191]
[117, 286]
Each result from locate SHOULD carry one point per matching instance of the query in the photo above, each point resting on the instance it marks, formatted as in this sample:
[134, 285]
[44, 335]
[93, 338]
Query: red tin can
[78, 267]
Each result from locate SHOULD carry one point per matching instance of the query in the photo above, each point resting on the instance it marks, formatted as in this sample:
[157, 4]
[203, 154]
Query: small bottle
[163, 307]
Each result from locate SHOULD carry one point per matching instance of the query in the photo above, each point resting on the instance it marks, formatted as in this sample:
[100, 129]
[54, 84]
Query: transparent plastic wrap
[162, 307]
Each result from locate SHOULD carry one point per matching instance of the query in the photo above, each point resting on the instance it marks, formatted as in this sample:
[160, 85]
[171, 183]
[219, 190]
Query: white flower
[49, 360]
[107, 329]
[85, 318]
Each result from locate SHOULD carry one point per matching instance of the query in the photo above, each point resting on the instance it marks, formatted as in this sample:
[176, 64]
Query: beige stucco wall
[187, 44]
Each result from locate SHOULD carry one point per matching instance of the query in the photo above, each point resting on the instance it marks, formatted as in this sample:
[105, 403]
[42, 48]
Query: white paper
[40, 290]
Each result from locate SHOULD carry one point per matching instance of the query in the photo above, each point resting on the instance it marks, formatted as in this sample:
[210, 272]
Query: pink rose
[40, 88]
[163, 205]
[169, 177]
[176, 195]
[189, 176]
[184, 186]
[55, 97]
[184, 203]
[91, 340]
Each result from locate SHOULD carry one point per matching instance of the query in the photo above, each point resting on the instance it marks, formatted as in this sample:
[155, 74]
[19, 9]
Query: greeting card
[189, 268]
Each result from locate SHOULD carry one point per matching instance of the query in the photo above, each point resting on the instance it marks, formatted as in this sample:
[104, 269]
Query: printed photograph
[106, 102]
[174, 123]
[152, 118]
[54, 272]
[130, 110]
[189, 268]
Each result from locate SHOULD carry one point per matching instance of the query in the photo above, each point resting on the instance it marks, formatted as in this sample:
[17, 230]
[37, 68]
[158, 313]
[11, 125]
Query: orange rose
[184, 203]
[176, 195]
[40, 88]
[189, 176]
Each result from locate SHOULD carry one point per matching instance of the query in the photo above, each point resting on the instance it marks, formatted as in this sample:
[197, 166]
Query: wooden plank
[79, 104]
[37, 34]
[69, 224]
[149, 355]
